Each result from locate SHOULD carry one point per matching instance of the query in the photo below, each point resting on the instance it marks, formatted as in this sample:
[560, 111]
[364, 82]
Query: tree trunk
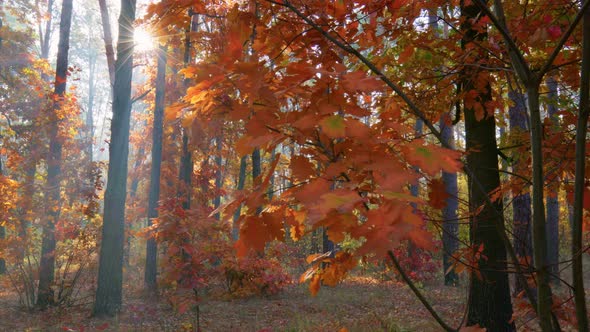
[256, 168]
[579, 181]
[108, 39]
[450, 227]
[218, 175]
[521, 203]
[110, 271]
[544, 297]
[28, 193]
[415, 188]
[271, 186]
[53, 189]
[553, 195]
[45, 36]
[151, 254]
[489, 297]
[186, 158]
[132, 195]
[241, 181]
[90, 108]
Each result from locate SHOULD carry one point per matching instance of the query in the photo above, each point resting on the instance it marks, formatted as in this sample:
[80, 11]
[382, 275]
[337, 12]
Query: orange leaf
[297, 221]
[358, 81]
[341, 199]
[314, 285]
[406, 54]
[301, 168]
[431, 158]
[256, 231]
[438, 194]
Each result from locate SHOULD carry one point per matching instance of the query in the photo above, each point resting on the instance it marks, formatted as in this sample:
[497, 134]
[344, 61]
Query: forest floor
[359, 304]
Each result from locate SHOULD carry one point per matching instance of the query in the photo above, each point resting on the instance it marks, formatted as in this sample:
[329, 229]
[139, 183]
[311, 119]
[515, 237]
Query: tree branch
[564, 38]
[418, 293]
[141, 96]
[518, 61]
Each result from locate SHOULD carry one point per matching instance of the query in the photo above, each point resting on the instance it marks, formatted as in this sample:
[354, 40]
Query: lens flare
[144, 41]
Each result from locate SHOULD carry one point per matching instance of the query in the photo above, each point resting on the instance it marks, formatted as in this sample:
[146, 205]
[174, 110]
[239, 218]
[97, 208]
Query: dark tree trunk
[53, 189]
[521, 203]
[110, 272]
[489, 297]
[271, 186]
[256, 168]
[151, 254]
[241, 182]
[553, 195]
[450, 227]
[218, 174]
[579, 182]
[186, 158]
[415, 188]
[108, 39]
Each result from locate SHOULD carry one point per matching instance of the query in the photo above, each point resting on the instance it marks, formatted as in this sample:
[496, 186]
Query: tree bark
[544, 301]
[579, 181]
[45, 294]
[186, 158]
[132, 195]
[489, 297]
[45, 36]
[151, 255]
[450, 227]
[553, 196]
[110, 273]
[108, 39]
[521, 203]
[415, 188]
[218, 174]
[90, 108]
[241, 182]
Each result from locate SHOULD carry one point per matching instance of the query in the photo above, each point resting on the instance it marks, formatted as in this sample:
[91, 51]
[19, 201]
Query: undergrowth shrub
[200, 260]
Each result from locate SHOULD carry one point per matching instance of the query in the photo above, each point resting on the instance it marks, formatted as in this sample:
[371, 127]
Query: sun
[144, 42]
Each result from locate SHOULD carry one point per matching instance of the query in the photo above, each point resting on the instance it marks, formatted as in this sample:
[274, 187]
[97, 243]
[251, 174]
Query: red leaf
[102, 327]
[438, 194]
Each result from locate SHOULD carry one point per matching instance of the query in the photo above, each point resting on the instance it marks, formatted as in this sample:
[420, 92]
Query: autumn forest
[294, 165]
